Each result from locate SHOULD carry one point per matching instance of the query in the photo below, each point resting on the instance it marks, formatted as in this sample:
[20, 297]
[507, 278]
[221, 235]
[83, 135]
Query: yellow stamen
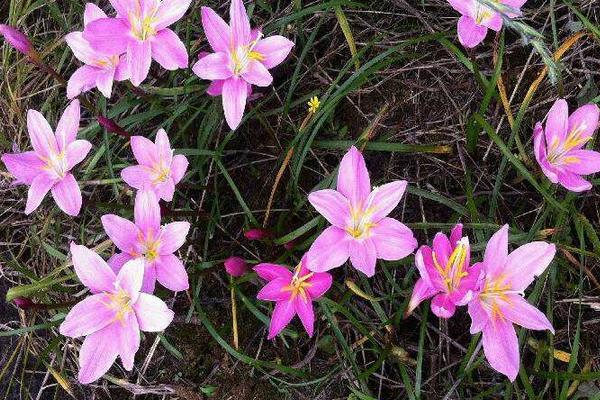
[121, 303]
[299, 284]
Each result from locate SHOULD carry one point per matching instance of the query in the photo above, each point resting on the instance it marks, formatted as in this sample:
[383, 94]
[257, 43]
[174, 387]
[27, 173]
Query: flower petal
[583, 162]
[88, 316]
[501, 347]
[40, 185]
[421, 292]
[215, 88]
[68, 125]
[139, 58]
[257, 74]
[169, 12]
[40, 132]
[169, 51]
[24, 166]
[91, 13]
[363, 255]
[479, 317]
[128, 339]
[147, 212]
[117, 260]
[163, 147]
[121, 231]
[383, 199]
[304, 309]
[320, 283]
[130, 278]
[283, 313]
[496, 253]
[527, 262]
[273, 50]
[144, 150]
[332, 205]
[214, 66]
[81, 48]
[240, 24]
[152, 313]
[235, 93]
[92, 270]
[270, 272]
[456, 234]
[173, 236]
[137, 176]
[520, 312]
[104, 82]
[584, 120]
[393, 240]
[76, 152]
[98, 352]
[178, 167]
[442, 306]
[165, 190]
[67, 195]
[216, 30]
[82, 80]
[171, 273]
[470, 34]
[274, 290]
[557, 123]
[573, 182]
[108, 35]
[149, 282]
[353, 178]
[329, 250]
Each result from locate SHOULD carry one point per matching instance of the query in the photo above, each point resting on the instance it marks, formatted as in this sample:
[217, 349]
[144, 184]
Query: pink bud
[111, 126]
[289, 246]
[236, 266]
[256, 234]
[17, 40]
[23, 303]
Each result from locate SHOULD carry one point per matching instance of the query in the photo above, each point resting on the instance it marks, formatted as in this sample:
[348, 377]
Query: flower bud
[256, 234]
[236, 266]
[23, 303]
[111, 126]
[17, 39]
[289, 246]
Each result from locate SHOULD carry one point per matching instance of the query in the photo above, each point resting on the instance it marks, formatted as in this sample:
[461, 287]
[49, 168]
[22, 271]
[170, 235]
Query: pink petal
[122, 69]
[527, 262]
[583, 162]
[383, 199]
[147, 212]
[213, 67]
[332, 205]
[392, 239]
[24, 166]
[144, 150]
[469, 33]
[257, 74]
[98, 352]
[67, 195]
[494, 22]
[573, 182]
[329, 250]
[304, 309]
[282, 315]
[92, 270]
[273, 290]
[422, 291]
[40, 185]
[108, 35]
[479, 317]
[273, 50]
[171, 273]
[152, 313]
[240, 24]
[165, 154]
[173, 236]
[585, 120]
[273, 271]
[501, 347]
[82, 80]
[353, 178]
[117, 260]
[320, 283]
[77, 151]
[130, 278]
[539, 147]
[122, 232]
[88, 316]
[557, 123]
[128, 339]
[442, 306]
[496, 253]
[165, 190]
[427, 270]
[91, 13]
[137, 176]
[40, 132]
[216, 30]
[215, 88]
[104, 82]
[178, 167]
[170, 11]
[122, 7]
[81, 48]
[169, 51]
[462, 6]
[520, 312]
[363, 255]
[149, 282]
[442, 249]
[456, 234]
[234, 95]
[139, 58]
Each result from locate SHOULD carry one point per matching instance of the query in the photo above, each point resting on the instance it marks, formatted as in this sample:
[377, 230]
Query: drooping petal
[40, 132]
[584, 120]
[273, 271]
[121, 231]
[152, 313]
[353, 178]
[363, 255]
[557, 123]
[257, 74]
[92, 270]
[470, 34]
[128, 339]
[304, 309]
[273, 50]
[173, 236]
[496, 252]
[442, 306]
[320, 283]
[108, 35]
[240, 24]
[68, 125]
[501, 347]
[217, 32]
[393, 240]
[178, 167]
[329, 250]
[91, 13]
[383, 199]
[137, 176]
[76, 152]
[214, 66]
[479, 317]
[139, 58]
[169, 51]
[274, 290]
[282, 315]
[573, 182]
[527, 262]
[67, 195]
[520, 312]
[98, 352]
[421, 292]
[583, 162]
[40, 185]
[332, 205]
[234, 96]
[24, 166]
[104, 82]
[170, 11]
[147, 212]
[171, 273]
[88, 316]
[82, 80]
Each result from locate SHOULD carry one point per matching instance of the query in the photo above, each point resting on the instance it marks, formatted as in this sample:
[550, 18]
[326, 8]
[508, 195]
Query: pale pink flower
[48, 166]
[140, 29]
[293, 294]
[17, 40]
[241, 58]
[101, 69]
[360, 227]
[236, 266]
[500, 301]
[146, 239]
[158, 170]
[477, 18]
[112, 317]
[559, 147]
[446, 274]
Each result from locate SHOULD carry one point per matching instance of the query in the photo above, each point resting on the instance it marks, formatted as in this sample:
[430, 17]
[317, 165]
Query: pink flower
[241, 58]
[445, 274]
[101, 69]
[477, 18]
[257, 234]
[360, 227]
[500, 301]
[17, 40]
[294, 294]
[559, 148]
[236, 266]
[112, 317]
[48, 166]
[146, 239]
[158, 170]
[140, 30]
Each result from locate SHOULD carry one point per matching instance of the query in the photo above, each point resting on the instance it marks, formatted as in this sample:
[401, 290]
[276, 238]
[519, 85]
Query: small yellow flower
[313, 105]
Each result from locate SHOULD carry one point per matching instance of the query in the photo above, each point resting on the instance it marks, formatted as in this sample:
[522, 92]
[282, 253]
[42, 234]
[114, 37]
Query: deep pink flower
[445, 274]
[148, 240]
[294, 294]
[500, 301]
[477, 18]
[112, 317]
[140, 30]
[360, 227]
[236, 266]
[241, 58]
[158, 170]
[48, 166]
[17, 40]
[101, 69]
[559, 148]
[257, 234]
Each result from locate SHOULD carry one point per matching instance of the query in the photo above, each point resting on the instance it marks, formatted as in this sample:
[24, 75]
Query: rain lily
[158, 170]
[101, 69]
[477, 18]
[559, 147]
[241, 58]
[293, 294]
[500, 301]
[146, 239]
[48, 166]
[445, 274]
[360, 227]
[17, 40]
[236, 266]
[140, 29]
[112, 317]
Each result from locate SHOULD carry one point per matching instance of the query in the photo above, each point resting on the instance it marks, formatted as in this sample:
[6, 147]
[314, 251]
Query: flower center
[455, 268]
[107, 61]
[57, 163]
[119, 302]
[483, 12]
[557, 152]
[142, 23]
[299, 284]
[495, 291]
[241, 56]
[151, 249]
[360, 224]
[162, 173]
